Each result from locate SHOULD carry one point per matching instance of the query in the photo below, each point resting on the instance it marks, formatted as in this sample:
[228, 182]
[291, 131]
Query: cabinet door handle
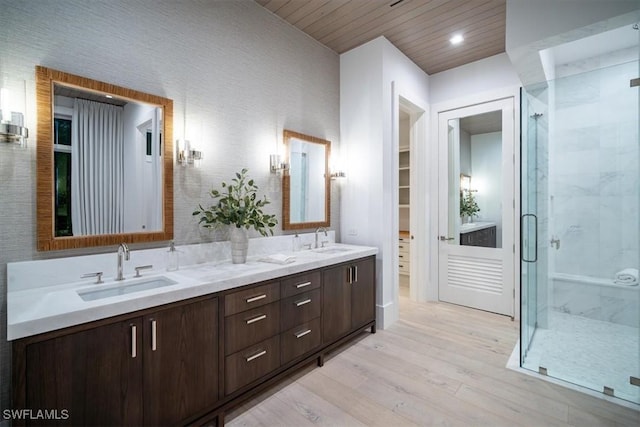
[401, 256]
[303, 333]
[303, 302]
[134, 341]
[302, 285]
[255, 356]
[154, 342]
[349, 276]
[256, 298]
[256, 319]
[355, 273]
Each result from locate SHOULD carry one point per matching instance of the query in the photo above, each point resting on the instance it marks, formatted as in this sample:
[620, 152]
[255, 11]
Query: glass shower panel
[580, 231]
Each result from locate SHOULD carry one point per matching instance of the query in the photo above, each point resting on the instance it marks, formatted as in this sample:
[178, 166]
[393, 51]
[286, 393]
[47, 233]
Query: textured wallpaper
[237, 74]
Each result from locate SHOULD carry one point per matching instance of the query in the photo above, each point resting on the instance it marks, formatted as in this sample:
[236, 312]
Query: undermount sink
[331, 250]
[115, 290]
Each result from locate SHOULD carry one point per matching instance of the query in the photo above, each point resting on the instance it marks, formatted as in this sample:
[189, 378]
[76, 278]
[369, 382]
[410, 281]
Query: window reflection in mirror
[475, 180]
[107, 163]
[306, 186]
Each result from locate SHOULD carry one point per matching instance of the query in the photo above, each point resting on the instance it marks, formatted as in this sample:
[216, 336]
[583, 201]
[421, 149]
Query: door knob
[442, 238]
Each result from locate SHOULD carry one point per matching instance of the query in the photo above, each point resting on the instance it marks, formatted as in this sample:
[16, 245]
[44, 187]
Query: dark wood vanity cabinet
[180, 358]
[349, 298]
[189, 362]
[91, 374]
[155, 369]
[485, 237]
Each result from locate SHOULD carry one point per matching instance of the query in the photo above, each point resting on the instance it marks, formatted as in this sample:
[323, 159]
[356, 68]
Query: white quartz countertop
[43, 309]
[475, 226]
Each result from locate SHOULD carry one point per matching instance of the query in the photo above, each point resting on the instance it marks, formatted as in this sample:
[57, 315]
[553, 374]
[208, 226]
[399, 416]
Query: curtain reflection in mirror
[299, 183]
[97, 171]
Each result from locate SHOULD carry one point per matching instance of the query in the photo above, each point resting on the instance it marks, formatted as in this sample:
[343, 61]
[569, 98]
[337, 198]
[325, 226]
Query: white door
[476, 171]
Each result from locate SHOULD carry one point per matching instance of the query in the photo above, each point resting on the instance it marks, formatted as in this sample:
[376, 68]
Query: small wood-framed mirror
[104, 163]
[306, 185]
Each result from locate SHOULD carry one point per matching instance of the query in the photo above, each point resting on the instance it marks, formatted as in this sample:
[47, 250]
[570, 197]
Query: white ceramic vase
[239, 244]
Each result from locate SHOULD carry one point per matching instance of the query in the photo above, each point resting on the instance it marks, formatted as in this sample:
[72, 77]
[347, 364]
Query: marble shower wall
[594, 172]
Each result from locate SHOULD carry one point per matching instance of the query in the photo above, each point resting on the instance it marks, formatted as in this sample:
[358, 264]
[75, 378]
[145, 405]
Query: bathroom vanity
[188, 361]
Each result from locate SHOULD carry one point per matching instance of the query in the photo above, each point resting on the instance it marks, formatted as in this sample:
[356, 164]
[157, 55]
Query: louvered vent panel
[478, 274]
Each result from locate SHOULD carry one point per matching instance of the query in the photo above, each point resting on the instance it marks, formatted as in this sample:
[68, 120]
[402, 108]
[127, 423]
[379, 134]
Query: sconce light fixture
[187, 156]
[276, 165]
[12, 128]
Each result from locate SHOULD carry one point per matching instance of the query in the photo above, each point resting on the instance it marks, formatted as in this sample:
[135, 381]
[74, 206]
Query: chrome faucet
[318, 230]
[123, 251]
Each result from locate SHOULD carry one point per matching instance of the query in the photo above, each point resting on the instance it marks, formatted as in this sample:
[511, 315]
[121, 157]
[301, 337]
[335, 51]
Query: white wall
[460, 83]
[239, 73]
[369, 138]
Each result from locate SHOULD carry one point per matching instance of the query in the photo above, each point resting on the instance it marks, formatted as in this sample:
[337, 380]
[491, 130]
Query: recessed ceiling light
[457, 39]
[109, 96]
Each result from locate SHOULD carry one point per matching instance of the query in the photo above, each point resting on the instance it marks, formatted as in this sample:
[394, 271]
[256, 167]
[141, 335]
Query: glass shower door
[580, 228]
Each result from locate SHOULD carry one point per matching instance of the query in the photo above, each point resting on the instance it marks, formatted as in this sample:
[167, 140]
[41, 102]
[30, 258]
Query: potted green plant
[238, 206]
[468, 205]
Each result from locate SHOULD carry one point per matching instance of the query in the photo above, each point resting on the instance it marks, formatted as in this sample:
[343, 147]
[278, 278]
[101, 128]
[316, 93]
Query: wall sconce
[187, 156]
[276, 165]
[338, 175]
[465, 182]
[12, 128]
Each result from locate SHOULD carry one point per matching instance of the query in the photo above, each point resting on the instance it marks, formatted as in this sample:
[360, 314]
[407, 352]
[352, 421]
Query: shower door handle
[535, 240]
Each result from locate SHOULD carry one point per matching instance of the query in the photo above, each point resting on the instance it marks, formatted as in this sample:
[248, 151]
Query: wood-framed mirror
[104, 163]
[306, 185]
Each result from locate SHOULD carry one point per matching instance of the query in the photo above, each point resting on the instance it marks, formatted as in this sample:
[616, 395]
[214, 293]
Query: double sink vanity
[180, 347]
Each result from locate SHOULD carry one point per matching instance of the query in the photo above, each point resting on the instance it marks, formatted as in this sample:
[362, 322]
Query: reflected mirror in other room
[475, 180]
[111, 178]
[306, 185]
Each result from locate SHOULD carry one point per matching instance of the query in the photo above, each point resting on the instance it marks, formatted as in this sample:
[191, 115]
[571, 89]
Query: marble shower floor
[588, 352]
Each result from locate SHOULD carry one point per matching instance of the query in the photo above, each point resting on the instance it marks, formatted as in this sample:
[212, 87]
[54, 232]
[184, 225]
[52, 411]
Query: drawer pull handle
[255, 356]
[256, 298]
[134, 341]
[256, 319]
[302, 285]
[303, 333]
[299, 303]
[154, 341]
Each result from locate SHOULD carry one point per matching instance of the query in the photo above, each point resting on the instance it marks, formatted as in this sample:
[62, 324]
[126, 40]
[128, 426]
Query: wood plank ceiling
[421, 29]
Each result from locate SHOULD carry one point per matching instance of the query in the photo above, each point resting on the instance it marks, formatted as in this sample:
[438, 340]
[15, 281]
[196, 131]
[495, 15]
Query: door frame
[419, 215]
[433, 180]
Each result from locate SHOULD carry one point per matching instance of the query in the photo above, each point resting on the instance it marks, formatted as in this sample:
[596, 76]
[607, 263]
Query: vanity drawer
[247, 328]
[300, 340]
[248, 365]
[301, 283]
[299, 309]
[251, 298]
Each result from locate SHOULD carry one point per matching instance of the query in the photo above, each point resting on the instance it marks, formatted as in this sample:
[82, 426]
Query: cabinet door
[181, 363]
[95, 375]
[336, 300]
[363, 293]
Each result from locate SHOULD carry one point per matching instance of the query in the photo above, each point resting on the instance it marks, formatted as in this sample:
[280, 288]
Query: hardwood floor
[440, 364]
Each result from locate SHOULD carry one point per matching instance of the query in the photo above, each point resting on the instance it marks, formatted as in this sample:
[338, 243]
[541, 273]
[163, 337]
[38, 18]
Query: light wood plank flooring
[440, 364]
